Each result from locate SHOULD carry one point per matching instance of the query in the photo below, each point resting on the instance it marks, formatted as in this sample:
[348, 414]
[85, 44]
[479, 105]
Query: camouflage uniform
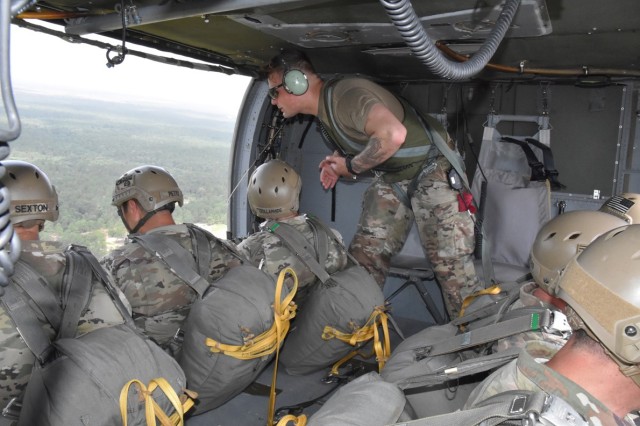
[447, 234]
[267, 250]
[160, 300]
[46, 258]
[528, 372]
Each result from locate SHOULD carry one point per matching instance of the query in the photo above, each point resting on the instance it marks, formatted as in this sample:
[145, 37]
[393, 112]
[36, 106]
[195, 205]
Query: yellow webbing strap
[283, 314]
[494, 289]
[300, 420]
[267, 342]
[381, 349]
[152, 410]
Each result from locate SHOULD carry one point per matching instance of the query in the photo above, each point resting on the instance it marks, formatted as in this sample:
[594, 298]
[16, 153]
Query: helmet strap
[170, 207]
[141, 222]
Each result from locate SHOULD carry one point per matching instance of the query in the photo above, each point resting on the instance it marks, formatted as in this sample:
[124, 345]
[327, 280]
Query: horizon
[43, 63]
[85, 145]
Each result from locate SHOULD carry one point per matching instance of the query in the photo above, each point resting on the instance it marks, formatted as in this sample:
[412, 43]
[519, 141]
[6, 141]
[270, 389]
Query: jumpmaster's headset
[294, 80]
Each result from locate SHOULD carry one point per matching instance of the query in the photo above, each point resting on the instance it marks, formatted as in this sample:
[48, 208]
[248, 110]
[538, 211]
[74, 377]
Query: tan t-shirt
[352, 100]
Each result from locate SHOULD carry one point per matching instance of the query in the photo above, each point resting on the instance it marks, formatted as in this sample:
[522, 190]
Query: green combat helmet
[563, 237]
[274, 190]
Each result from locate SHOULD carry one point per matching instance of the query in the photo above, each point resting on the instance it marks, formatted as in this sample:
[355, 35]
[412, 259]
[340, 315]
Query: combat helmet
[152, 186]
[601, 286]
[563, 237]
[33, 197]
[625, 206]
[274, 190]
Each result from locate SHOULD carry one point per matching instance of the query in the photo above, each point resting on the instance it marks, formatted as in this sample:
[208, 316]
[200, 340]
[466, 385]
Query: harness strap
[267, 342]
[176, 257]
[27, 324]
[549, 165]
[504, 407]
[300, 420]
[201, 248]
[512, 290]
[493, 290]
[404, 197]
[532, 321]
[457, 163]
[461, 369]
[298, 244]
[321, 242]
[430, 165]
[381, 348]
[102, 275]
[537, 168]
[37, 288]
[329, 232]
[77, 283]
[153, 410]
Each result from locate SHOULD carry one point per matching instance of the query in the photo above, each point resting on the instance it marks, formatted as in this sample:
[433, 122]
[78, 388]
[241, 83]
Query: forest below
[85, 145]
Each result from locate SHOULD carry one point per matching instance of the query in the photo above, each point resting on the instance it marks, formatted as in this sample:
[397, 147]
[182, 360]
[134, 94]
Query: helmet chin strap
[146, 217]
[140, 223]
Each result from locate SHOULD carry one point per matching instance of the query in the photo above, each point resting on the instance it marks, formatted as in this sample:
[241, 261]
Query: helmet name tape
[268, 211]
[33, 197]
[31, 208]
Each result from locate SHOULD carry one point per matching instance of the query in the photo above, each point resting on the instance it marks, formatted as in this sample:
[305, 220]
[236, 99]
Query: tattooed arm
[386, 135]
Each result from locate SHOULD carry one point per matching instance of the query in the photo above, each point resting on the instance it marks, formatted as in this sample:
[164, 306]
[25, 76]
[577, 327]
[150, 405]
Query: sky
[43, 63]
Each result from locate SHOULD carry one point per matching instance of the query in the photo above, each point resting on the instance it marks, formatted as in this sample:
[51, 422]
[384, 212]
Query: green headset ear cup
[295, 82]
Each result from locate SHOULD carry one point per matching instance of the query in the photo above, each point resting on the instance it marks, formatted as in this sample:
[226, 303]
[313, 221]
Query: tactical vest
[417, 149]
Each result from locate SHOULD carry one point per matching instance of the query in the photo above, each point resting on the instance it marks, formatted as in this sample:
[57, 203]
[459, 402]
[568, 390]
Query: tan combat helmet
[33, 197]
[152, 186]
[625, 206]
[602, 286]
[274, 190]
[563, 237]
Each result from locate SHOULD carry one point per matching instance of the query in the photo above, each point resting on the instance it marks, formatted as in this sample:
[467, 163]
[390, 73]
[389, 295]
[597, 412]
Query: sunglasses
[273, 92]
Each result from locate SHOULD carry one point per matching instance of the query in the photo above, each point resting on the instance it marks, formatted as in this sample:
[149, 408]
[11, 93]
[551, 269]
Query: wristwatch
[347, 161]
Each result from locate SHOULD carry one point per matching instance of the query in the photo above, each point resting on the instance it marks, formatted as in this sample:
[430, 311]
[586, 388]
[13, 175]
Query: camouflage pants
[446, 234]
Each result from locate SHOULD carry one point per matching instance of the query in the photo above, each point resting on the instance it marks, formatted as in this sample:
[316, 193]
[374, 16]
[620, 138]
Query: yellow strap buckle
[266, 343]
[381, 348]
[494, 289]
[153, 411]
